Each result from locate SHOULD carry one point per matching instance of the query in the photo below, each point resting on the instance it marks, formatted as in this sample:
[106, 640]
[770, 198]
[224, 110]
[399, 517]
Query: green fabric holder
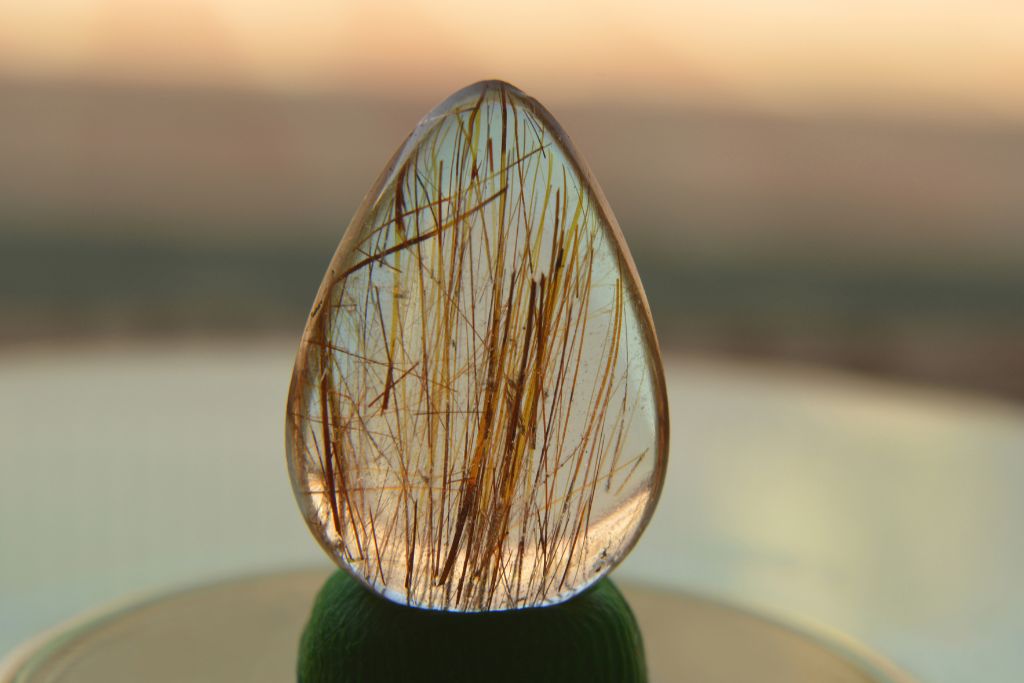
[356, 636]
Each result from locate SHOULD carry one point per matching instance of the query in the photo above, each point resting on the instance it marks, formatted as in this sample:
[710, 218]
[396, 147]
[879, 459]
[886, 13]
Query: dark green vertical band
[356, 636]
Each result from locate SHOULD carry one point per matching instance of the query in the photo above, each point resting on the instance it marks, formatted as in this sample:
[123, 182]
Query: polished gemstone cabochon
[477, 417]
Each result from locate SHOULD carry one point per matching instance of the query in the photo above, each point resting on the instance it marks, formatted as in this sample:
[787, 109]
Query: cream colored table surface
[248, 629]
[890, 514]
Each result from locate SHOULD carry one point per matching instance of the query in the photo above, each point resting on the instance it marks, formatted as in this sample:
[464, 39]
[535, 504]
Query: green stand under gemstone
[355, 635]
[477, 418]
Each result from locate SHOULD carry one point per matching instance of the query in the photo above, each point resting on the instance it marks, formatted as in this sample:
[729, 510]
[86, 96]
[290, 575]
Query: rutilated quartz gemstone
[477, 417]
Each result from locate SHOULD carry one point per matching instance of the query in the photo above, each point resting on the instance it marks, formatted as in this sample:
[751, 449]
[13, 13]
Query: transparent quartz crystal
[477, 417]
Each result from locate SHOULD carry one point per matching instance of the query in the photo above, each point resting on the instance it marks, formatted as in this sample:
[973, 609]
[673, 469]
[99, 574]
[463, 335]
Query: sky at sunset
[958, 56]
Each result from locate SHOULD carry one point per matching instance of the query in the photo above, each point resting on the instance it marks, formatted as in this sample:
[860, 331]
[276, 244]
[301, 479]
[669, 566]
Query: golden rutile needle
[477, 417]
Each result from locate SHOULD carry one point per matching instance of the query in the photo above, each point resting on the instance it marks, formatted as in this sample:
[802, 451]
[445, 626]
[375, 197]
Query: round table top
[248, 630]
[884, 512]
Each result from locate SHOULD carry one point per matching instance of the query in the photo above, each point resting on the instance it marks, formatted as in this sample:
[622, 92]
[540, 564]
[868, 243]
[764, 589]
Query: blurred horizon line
[787, 55]
[423, 97]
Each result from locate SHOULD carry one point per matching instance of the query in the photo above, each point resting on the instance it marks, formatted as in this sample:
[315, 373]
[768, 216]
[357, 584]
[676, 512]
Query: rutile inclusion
[477, 417]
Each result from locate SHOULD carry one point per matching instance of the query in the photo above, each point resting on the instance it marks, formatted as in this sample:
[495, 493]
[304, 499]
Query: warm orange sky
[959, 56]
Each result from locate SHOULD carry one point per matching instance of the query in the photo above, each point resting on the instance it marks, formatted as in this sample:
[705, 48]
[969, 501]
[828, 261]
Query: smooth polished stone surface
[477, 418]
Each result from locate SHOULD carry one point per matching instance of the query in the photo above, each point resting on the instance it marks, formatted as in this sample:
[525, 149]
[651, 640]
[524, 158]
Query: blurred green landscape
[890, 245]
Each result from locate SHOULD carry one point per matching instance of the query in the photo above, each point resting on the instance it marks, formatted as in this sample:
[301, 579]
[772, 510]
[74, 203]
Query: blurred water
[887, 513]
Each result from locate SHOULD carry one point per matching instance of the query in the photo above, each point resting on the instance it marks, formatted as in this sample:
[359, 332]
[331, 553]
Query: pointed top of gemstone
[477, 418]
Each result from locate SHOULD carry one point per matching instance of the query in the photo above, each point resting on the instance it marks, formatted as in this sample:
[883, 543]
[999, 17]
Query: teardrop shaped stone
[477, 417]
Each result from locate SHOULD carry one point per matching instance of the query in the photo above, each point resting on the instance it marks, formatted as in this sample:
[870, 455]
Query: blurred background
[825, 201]
[837, 183]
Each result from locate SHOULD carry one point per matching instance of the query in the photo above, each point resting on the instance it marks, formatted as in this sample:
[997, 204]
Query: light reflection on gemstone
[477, 417]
